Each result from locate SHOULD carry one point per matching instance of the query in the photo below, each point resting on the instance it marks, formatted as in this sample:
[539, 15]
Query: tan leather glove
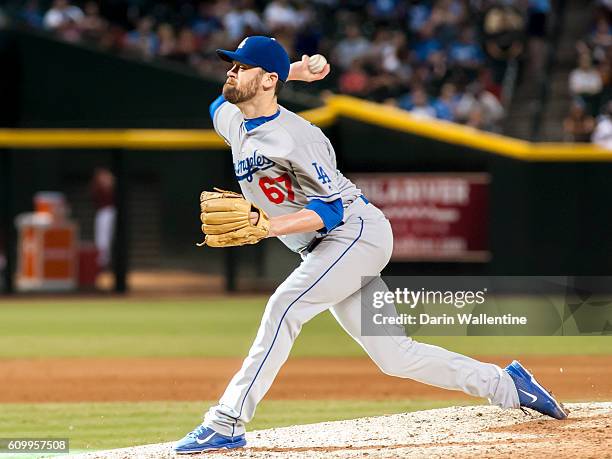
[225, 217]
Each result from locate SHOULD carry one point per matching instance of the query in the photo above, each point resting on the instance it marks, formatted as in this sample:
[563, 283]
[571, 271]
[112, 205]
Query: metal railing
[544, 83]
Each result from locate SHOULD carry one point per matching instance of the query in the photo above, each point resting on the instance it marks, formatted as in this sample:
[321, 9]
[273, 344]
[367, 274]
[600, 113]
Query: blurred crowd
[436, 58]
[590, 83]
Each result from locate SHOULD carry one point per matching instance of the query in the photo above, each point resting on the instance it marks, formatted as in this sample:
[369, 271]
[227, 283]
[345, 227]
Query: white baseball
[316, 63]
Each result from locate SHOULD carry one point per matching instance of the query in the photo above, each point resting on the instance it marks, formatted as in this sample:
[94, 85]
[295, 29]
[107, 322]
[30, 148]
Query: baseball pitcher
[293, 190]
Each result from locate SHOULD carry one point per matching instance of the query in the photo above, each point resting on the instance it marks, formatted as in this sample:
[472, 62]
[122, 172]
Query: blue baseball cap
[259, 51]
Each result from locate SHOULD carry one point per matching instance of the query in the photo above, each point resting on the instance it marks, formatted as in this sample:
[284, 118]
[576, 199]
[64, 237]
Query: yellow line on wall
[545, 151]
[322, 117]
[400, 120]
[111, 138]
[397, 119]
[350, 107]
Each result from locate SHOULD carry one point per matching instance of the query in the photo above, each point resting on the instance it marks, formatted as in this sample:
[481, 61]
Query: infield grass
[223, 327]
[95, 426]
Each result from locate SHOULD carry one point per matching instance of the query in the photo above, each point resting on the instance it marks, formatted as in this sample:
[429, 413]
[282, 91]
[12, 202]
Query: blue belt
[363, 198]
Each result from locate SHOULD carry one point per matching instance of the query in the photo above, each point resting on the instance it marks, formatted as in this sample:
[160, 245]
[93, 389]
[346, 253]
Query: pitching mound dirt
[475, 431]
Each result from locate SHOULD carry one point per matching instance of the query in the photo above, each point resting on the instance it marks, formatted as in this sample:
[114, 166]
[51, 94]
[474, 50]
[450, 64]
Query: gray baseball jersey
[283, 164]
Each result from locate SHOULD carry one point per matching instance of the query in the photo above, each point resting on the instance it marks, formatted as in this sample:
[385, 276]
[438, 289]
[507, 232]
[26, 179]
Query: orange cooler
[51, 202]
[47, 253]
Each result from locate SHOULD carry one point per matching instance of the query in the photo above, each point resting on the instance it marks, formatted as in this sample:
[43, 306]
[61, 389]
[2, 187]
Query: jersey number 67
[274, 193]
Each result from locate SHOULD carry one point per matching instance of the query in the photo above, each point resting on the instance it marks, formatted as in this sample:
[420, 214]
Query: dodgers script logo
[245, 168]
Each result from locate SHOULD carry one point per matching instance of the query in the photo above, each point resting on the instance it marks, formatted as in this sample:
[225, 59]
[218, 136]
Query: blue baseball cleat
[532, 394]
[205, 439]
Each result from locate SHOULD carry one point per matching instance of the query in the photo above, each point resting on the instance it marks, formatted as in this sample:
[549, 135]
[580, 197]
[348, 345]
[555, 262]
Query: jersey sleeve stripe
[215, 106]
[330, 212]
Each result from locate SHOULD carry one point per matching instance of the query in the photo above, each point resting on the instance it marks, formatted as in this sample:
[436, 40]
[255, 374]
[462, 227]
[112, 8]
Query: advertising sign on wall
[434, 216]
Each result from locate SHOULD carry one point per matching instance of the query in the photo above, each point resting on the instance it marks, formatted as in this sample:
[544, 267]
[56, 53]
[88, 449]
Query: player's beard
[235, 95]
